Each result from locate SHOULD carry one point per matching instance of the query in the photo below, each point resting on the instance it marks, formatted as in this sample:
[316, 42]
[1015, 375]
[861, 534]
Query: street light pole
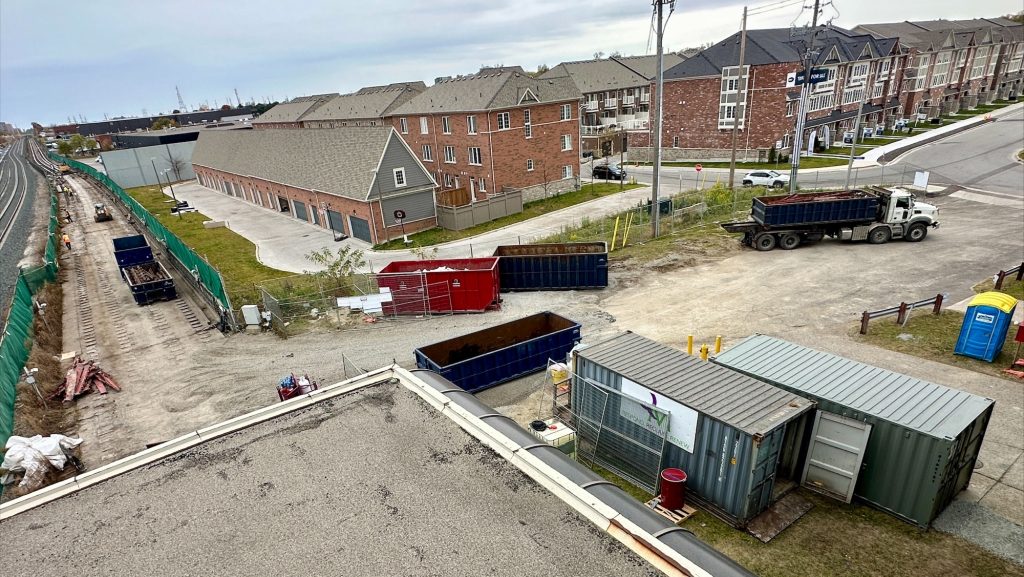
[740, 92]
[659, 101]
[173, 196]
[853, 145]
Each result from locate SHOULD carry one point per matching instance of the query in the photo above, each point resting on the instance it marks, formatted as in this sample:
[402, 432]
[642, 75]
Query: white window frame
[471, 124]
[565, 112]
[567, 172]
[428, 153]
[424, 125]
[858, 73]
[481, 185]
[732, 96]
[675, 142]
[791, 107]
[449, 154]
[403, 124]
[978, 64]
[446, 127]
[400, 180]
[476, 159]
[566, 142]
[940, 71]
[829, 84]
[529, 165]
[527, 125]
[504, 123]
[447, 180]
[853, 95]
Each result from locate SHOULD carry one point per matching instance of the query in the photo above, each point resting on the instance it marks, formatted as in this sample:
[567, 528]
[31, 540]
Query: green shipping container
[922, 440]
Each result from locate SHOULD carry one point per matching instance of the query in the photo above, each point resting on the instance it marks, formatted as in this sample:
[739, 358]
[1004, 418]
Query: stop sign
[698, 167]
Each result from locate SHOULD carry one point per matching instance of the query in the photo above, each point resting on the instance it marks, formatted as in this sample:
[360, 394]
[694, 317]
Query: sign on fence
[682, 420]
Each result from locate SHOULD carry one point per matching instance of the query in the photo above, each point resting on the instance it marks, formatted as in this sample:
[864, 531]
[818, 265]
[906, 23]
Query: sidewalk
[282, 243]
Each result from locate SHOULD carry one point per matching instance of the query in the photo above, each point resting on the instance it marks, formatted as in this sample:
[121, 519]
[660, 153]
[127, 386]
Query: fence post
[901, 316]
[1020, 271]
[938, 304]
[864, 318]
[999, 279]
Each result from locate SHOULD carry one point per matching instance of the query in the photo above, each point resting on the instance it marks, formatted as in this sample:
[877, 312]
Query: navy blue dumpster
[554, 266]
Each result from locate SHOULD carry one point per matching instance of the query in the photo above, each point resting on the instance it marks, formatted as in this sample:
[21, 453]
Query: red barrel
[673, 489]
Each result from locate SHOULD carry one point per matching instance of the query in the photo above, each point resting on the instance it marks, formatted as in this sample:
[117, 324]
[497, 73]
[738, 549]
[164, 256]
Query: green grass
[1011, 286]
[230, 253]
[845, 150]
[1020, 156]
[813, 162]
[880, 141]
[533, 209]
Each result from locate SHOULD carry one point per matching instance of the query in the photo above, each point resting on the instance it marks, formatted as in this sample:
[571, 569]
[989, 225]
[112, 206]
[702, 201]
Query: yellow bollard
[615, 235]
[718, 345]
[689, 345]
[703, 352]
[625, 232]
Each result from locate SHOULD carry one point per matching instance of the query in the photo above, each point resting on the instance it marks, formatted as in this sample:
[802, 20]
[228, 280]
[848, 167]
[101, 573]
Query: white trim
[399, 171]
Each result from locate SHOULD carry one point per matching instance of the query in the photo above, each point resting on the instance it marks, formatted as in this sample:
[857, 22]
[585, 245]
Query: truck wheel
[917, 232]
[764, 241]
[789, 241]
[879, 235]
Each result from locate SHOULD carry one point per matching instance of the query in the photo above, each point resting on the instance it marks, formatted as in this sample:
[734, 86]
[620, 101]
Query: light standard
[176, 207]
[380, 205]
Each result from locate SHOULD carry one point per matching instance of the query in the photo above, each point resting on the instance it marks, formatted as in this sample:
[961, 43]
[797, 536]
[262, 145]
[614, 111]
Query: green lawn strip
[1011, 286]
[1020, 155]
[845, 150]
[230, 253]
[880, 141]
[530, 210]
[934, 337]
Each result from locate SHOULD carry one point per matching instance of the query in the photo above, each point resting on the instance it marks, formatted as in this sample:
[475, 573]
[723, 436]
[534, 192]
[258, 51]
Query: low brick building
[355, 180]
[704, 96]
[494, 130]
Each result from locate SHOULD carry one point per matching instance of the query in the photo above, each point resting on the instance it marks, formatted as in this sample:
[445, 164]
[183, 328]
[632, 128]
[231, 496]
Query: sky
[120, 58]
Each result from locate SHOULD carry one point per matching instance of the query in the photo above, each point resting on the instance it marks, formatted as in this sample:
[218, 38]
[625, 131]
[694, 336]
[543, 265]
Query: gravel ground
[26, 231]
[977, 524]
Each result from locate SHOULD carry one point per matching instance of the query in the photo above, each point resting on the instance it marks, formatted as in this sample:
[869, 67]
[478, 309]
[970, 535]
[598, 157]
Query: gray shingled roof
[363, 104]
[415, 86]
[647, 66]
[294, 109]
[720, 393]
[930, 34]
[489, 89]
[338, 161]
[597, 75]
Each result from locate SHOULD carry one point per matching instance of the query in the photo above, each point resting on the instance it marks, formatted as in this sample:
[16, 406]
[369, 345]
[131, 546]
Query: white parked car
[765, 178]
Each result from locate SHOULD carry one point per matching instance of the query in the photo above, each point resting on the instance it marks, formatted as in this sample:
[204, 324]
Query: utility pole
[804, 92]
[659, 100]
[856, 129]
[740, 91]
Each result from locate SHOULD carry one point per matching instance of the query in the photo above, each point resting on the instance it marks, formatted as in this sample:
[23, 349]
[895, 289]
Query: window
[878, 90]
[529, 165]
[827, 85]
[919, 69]
[423, 125]
[475, 156]
[503, 122]
[567, 172]
[527, 128]
[732, 94]
[482, 185]
[404, 124]
[565, 112]
[399, 176]
[980, 60]
[675, 142]
[566, 142]
[858, 74]
[445, 127]
[852, 95]
[791, 107]
[940, 73]
[448, 182]
[821, 102]
[449, 154]
[471, 124]
[428, 153]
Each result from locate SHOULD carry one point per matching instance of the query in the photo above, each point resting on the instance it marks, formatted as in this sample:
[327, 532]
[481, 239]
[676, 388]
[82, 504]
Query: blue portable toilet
[985, 326]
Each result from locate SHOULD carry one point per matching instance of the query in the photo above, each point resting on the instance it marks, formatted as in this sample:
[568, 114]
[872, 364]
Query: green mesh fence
[204, 272]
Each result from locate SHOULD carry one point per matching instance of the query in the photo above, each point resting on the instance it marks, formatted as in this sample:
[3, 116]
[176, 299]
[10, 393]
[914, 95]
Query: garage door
[834, 457]
[360, 228]
[335, 221]
[300, 210]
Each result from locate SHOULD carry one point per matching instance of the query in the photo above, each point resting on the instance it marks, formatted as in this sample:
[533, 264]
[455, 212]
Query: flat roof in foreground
[372, 482]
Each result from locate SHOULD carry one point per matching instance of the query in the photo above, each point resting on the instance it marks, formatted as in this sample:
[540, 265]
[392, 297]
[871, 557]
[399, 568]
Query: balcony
[591, 106]
[628, 100]
[645, 98]
[611, 102]
[910, 73]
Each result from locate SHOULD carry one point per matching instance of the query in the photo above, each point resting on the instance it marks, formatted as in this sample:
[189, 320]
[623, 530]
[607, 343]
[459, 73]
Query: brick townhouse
[616, 96]
[956, 64]
[366, 107]
[494, 130]
[289, 114]
[350, 180]
[704, 95]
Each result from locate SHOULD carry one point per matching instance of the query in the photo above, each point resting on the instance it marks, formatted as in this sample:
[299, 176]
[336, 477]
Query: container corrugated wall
[728, 471]
[557, 266]
[907, 472]
[815, 208]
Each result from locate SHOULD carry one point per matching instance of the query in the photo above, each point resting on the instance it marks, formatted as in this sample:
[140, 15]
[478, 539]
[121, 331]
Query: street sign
[817, 75]
[399, 214]
[698, 167]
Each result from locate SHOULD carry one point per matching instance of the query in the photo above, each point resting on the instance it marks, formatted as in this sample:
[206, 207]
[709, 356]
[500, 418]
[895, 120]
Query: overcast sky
[118, 57]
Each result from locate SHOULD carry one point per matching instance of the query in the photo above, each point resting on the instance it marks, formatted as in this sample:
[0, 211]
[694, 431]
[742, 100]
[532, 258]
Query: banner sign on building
[682, 420]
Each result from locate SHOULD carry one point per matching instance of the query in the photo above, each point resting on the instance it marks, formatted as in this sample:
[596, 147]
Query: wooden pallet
[1016, 369]
[677, 516]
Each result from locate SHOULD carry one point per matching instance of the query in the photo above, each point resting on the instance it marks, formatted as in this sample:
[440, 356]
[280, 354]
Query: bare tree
[176, 164]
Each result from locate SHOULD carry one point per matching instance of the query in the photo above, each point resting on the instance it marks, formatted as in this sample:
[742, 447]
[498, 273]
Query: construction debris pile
[28, 461]
[143, 273]
[84, 377]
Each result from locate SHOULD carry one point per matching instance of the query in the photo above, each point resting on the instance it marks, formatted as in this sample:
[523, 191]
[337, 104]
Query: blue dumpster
[985, 326]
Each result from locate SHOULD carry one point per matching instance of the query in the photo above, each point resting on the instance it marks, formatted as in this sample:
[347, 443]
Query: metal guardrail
[1001, 276]
[902, 311]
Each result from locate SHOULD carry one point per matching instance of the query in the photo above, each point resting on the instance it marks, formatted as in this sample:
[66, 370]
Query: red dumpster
[441, 286]
[673, 489]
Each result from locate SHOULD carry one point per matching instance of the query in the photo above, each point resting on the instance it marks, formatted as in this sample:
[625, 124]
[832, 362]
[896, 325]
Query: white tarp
[682, 428]
[34, 457]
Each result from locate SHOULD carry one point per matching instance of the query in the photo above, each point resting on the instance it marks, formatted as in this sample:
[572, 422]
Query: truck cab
[900, 216]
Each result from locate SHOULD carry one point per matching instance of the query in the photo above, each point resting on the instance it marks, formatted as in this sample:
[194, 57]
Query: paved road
[979, 158]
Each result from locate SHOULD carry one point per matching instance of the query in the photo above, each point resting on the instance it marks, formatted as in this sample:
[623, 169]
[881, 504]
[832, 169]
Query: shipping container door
[834, 457]
[360, 228]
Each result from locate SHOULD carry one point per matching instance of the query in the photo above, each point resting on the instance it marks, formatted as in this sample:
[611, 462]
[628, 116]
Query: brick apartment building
[616, 97]
[703, 95]
[350, 180]
[494, 130]
[956, 64]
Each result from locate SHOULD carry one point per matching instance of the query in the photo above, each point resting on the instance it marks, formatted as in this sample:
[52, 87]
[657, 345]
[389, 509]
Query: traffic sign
[698, 167]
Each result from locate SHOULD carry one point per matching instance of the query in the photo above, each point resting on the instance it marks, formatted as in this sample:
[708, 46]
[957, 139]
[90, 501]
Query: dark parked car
[609, 172]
